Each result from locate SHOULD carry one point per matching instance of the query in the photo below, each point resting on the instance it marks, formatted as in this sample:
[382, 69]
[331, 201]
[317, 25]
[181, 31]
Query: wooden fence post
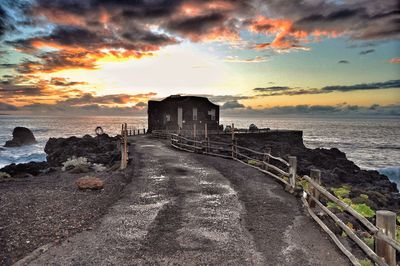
[194, 131]
[124, 146]
[266, 158]
[233, 140]
[316, 176]
[292, 171]
[386, 222]
[206, 136]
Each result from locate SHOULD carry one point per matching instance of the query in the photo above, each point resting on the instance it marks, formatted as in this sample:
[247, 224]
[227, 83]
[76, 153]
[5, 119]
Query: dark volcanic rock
[21, 136]
[336, 169]
[101, 149]
[24, 169]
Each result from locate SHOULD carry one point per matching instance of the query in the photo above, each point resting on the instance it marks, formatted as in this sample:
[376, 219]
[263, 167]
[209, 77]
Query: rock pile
[101, 149]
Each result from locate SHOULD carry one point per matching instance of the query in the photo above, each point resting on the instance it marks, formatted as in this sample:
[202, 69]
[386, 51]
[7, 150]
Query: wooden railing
[135, 132]
[124, 147]
[160, 134]
[285, 172]
[383, 233]
[282, 170]
[200, 130]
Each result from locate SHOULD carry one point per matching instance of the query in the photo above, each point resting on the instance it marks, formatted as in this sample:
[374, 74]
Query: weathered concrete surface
[180, 209]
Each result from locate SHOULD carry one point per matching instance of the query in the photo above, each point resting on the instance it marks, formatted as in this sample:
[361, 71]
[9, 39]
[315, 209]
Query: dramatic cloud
[65, 82]
[25, 89]
[395, 60]
[93, 109]
[221, 99]
[83, 103]
[288, 91]
[232, 105]
[44, 37]
[273, 89]
[114, 99]
[6, 65]
[7, 107]
[236, 59]
[365, 52]
[366, 86]
[318, 110]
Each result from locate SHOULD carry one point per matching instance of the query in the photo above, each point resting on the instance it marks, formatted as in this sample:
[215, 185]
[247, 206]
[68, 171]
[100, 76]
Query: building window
[212, 114]
[194, 114]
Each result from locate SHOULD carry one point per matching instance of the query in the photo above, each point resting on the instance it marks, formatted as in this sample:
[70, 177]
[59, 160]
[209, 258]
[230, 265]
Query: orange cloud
[395, 60]
[201, 8]
[286, 35]
[58, 16]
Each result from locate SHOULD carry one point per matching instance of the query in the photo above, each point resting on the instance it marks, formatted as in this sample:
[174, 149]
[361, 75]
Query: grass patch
[254, 162]
[365, 262]
[364, 196]
[4, 175]
[304, 184]
[369, 241]
[341, 192]
[364, 210]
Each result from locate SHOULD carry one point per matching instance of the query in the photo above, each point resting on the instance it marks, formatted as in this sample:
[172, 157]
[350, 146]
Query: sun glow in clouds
[179, 68]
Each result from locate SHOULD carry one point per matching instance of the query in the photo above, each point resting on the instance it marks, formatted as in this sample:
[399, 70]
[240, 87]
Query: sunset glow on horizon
[112, 57]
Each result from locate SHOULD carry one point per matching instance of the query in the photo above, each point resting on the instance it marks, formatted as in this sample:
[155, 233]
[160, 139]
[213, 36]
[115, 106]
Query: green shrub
[347, 201]
[341, 192]
[75, 162]
[365, 262]
[364, 196]
[304, 184]
[369, 241]
[4, 175]
[364, 210]
[332, 205]
[253, 162]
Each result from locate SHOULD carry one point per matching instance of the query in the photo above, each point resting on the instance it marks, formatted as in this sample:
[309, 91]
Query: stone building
[178, 112]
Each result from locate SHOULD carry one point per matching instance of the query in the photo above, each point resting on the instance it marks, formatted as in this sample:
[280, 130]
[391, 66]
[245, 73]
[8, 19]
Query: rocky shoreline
[101, 149]
[336, 169]
[46, 202]
[41, 194]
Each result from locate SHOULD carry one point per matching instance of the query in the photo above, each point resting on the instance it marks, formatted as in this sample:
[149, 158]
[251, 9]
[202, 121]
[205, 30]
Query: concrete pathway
[184, 209]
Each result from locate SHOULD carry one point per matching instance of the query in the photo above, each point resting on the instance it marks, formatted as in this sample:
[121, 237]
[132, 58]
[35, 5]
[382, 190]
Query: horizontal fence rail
[388, 244]
[285, 172]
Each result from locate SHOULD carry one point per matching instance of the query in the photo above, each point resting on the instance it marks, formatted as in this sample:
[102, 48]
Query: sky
[253, 57]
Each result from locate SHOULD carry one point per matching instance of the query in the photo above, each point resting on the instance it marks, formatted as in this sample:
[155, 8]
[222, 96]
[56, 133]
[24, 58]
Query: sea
[372, 143]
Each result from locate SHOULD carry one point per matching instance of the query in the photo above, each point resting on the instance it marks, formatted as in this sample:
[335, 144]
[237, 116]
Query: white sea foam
[393, 172]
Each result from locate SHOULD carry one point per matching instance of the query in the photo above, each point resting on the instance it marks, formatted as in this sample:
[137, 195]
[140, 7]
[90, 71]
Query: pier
[211, 200]
[189, 209]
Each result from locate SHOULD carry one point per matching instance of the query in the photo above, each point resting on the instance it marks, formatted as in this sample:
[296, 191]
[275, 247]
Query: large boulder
[21, 136]
[101, 149]
[89, 182]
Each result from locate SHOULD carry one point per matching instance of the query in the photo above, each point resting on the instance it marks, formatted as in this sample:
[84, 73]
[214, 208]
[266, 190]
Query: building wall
[160, 111]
